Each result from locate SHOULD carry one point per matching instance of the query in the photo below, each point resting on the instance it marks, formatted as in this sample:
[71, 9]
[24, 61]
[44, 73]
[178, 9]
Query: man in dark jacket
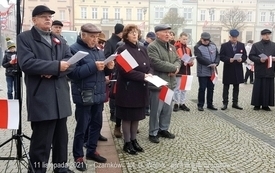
[150, 37]
[263, 88]
[207, 60]
[232, 68]
[109, 49]
[43, 56]
[89, 75]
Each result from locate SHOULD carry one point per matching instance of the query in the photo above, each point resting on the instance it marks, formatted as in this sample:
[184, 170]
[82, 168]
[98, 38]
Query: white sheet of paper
[237, 56]
[113, 80]
[263, 56]
[78, 56]
[248, 66]
[110, 58]
[157, 81]
[187, 59]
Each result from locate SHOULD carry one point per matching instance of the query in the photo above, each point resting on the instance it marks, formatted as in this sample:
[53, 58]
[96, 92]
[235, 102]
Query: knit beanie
[118, 28]
[10, 43]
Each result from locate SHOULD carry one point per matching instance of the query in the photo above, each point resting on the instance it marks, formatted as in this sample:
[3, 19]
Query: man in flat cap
[166, 64]
[57, 27]
[262, 54]
[207, 60]
[232, 68]
[48, 97]
[88, 78]
[109, 49]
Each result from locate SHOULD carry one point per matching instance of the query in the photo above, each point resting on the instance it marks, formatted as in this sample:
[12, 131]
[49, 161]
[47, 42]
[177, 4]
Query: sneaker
[96, 157]
[80, 164]
[154, 139]
[184, 108]
[166, 134]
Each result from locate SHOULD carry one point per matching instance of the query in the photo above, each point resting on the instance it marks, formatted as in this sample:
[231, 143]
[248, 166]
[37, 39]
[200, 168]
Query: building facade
[106, 13]
[187, 9]
[64, 11]
[209, 17]
[265, 18]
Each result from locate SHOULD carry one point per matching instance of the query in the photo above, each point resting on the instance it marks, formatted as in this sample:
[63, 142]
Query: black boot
[128, 147]
[176, 108]
[224, 107]
[136, 146]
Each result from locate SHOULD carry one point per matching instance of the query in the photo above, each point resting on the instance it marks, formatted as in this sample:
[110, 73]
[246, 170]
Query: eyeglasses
[45, 16]
[133, 32]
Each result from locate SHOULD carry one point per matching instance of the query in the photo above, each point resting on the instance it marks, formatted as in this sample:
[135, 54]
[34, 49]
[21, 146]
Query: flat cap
[41, 9]
[57, 22]
[234, 33]
[162, 27]
[265, 31]
[151, 35]
[205, 35]
[90, 28]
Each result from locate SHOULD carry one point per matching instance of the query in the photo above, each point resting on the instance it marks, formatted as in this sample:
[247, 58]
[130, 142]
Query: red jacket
[181, 50]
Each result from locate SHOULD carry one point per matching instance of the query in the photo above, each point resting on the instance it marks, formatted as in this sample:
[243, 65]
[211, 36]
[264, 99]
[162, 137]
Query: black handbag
[87, 97]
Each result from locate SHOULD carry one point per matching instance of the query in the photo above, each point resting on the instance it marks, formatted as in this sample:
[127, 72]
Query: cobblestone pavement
[208, 141]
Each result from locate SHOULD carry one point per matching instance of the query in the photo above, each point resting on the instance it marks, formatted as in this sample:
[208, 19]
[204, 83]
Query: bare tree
[234, 18]
[173, 19]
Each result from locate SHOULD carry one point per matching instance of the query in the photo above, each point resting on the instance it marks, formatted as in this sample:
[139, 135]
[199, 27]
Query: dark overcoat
[132, 90]
[47, 98]
[232, 72]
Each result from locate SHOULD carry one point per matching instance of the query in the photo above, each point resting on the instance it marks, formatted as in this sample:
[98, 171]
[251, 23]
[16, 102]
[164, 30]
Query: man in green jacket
[166, 64]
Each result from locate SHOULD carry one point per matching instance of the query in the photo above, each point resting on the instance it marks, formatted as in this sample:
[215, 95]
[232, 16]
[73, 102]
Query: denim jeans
[12, 86]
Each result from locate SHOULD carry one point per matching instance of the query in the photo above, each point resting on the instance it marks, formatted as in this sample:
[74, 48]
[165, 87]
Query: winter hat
[118, 28]
[10, 43]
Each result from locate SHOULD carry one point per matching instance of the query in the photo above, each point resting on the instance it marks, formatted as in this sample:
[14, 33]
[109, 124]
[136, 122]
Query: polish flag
[126, 61]
[214, 77]
[269, 62]
[166, 95]
[186, 82]
[9, 114]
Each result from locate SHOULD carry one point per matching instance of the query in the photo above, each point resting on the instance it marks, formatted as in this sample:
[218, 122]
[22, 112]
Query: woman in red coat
[132, 89]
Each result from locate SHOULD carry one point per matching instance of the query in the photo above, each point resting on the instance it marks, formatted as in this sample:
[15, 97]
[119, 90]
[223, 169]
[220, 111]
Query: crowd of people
[43, 54]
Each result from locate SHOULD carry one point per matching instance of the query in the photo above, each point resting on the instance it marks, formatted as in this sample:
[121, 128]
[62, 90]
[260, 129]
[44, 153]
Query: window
[117, 13]
[94, 13]
[271, 16]
[105, 13]
[202, 15]
[249, 16]
[62, 15]
[159, 12]
[128, 14]
[187, 13]
[83, 13]
[248, 35]
[262, 17]
[212, 14]
[139, 14]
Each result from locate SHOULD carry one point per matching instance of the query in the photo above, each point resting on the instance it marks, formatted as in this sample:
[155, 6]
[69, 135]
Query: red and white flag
[186, 82]
[269, 62]
[9, 114]
[126, 61]
[166, 95]
[214, 77]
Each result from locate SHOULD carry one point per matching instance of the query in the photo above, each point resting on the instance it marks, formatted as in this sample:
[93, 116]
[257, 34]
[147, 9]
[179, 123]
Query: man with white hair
[166, 64]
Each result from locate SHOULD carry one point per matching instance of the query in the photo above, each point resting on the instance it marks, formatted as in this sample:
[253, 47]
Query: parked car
[69, 36]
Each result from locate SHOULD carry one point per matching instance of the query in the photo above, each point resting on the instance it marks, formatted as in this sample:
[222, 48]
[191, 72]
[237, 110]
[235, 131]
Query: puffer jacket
[86, 76]
[11, 69]
[206, 55]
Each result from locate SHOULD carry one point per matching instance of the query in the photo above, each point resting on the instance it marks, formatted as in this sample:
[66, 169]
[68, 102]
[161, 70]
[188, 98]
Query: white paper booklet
[157, 81]
[78, 56]
[237, 56]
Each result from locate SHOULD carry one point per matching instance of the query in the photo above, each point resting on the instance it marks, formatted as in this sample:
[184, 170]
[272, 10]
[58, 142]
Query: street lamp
[69, 9]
